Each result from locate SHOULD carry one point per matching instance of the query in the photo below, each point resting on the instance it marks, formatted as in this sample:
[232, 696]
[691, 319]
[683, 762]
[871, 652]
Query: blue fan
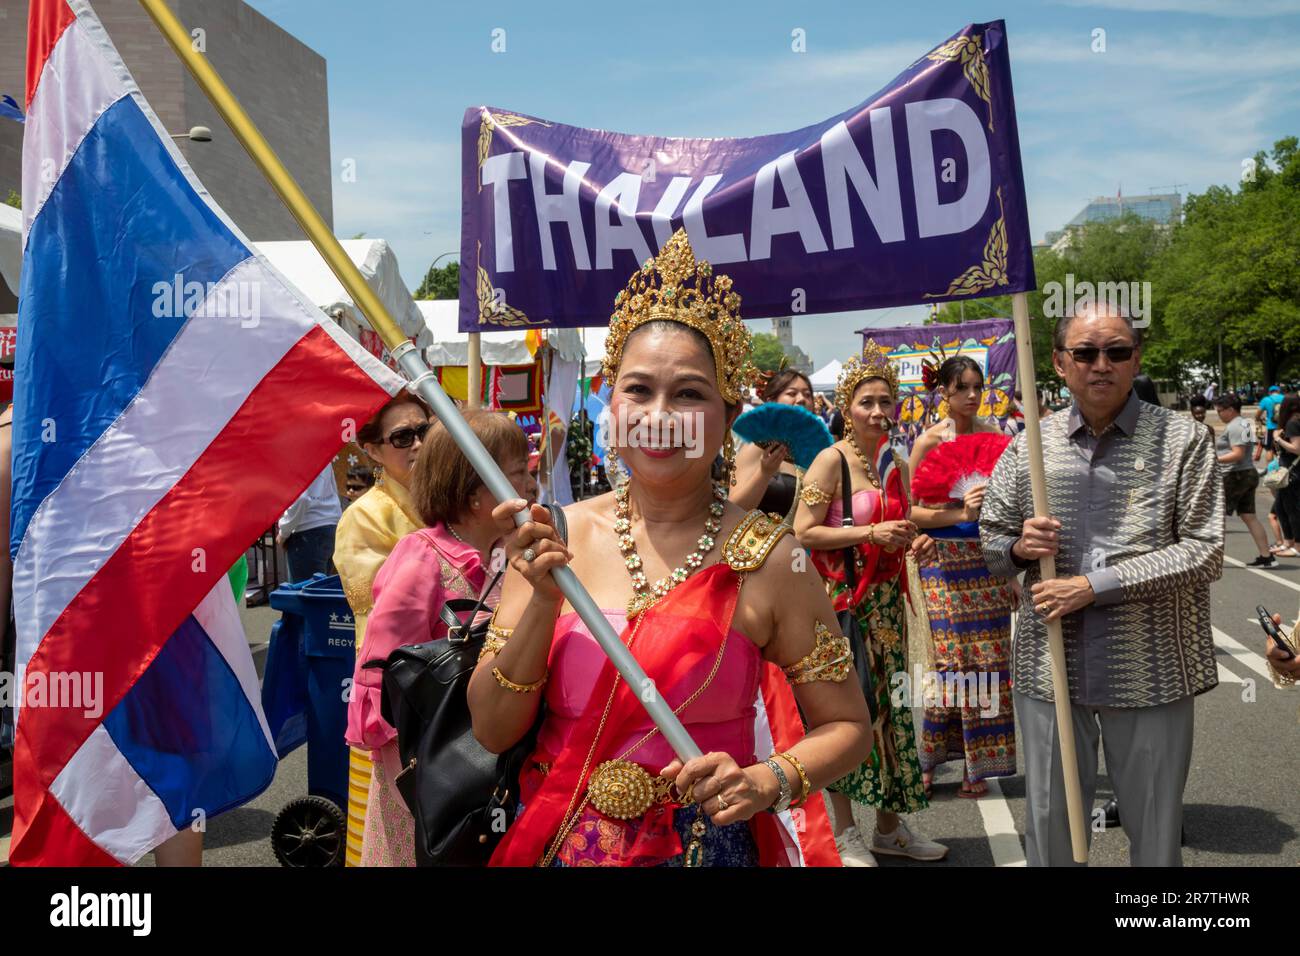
[801, 431]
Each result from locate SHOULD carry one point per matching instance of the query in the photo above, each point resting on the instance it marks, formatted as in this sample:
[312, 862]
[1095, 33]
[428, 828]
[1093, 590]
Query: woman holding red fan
[968, 714]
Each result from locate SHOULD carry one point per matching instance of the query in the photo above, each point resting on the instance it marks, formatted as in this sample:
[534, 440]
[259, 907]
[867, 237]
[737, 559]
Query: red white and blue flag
[173, 394]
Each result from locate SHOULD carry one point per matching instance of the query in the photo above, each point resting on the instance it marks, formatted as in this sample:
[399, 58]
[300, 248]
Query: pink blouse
[720, 719]
[426, 568]
[866, 508]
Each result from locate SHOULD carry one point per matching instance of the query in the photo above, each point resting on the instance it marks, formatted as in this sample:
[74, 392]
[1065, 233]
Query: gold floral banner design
[485, 134]
[992, 271]
[967, 51]
[490, 311]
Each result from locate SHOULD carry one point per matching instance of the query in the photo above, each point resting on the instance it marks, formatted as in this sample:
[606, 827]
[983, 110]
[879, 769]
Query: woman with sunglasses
[367, 533]
[450, 557]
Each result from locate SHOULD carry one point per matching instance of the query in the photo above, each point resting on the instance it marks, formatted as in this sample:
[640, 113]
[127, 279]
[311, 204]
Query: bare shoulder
[590, 516]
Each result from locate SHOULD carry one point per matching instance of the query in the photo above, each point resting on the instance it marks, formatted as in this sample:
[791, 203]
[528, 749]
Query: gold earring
[729, 459]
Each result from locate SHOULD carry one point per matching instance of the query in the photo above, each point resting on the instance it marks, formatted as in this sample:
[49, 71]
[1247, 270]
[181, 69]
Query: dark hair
[954, 368]
[1290, 406]
[372, 432]
[1228, 400]
[781, 381]
[1063, 328]
[1198, 401]
[443, 480]
[1146, 389]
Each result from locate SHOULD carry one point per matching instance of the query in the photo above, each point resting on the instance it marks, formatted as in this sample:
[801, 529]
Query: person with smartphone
[1280, 649]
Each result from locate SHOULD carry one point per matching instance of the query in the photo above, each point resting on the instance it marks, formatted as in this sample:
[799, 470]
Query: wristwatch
[786, 795]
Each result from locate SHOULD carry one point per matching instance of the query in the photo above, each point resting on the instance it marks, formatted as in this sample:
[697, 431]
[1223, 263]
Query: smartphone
[1273, 631]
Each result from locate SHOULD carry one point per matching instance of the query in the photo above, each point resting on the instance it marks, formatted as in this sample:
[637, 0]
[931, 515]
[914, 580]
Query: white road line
[1000, 827]
[1242, 654]
[1272, 577]
[1227, 677]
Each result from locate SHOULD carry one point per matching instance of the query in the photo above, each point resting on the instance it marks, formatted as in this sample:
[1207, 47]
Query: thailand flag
[173, 395]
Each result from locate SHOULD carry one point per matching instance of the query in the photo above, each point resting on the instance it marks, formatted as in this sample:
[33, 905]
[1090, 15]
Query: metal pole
[1055, 640]
[408, 358]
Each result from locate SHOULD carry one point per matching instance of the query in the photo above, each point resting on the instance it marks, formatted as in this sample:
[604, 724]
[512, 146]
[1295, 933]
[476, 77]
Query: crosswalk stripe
[1272, 577]
[1000, 827]
[1227, 677]
[1242, 654]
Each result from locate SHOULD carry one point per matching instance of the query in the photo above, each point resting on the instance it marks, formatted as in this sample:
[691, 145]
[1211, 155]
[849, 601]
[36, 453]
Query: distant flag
[9, 108]
[174, 394]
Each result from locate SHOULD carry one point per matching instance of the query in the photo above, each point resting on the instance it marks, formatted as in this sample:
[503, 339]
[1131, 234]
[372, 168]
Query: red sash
[669, 640]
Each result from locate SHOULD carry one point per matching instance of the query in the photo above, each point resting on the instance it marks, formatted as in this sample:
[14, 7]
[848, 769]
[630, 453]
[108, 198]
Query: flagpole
[421, 379]
[475, 370]
[1055, 640]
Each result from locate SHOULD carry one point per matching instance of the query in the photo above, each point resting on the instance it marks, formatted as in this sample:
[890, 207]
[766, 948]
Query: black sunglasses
[1087, 354]
[405, 437]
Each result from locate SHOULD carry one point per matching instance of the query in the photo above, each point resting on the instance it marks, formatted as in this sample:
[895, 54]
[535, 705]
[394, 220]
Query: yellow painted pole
[475, 371]
[1055, 640]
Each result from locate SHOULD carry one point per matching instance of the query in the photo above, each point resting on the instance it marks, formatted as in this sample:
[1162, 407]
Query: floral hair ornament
[676, 287]
[872, 363]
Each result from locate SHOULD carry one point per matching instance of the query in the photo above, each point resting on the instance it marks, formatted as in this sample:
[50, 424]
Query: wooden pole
[475, 371]
[1055, 640]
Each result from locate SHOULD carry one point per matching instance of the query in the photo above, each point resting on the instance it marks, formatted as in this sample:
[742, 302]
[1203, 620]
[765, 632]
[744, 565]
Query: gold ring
[722, 804]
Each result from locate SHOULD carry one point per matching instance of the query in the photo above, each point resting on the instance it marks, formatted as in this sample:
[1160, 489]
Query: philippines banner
[915, 195]
[990, 342]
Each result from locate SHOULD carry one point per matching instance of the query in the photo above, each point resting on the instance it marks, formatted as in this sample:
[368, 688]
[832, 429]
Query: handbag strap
[846, 521]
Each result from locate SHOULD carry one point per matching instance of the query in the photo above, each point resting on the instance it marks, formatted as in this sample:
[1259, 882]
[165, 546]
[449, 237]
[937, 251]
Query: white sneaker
[853, 849]
[903, 842]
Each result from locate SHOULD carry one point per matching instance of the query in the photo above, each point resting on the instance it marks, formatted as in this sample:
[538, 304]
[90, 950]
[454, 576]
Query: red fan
[957, 466]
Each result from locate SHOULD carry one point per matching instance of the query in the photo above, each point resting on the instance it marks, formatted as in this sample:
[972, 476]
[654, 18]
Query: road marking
[1000, 827]
[1272, 577]
[1242, 654]
[1226, 676]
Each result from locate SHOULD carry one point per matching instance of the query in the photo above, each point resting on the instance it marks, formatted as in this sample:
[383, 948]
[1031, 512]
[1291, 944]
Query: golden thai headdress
[871, 364]
[676, 287]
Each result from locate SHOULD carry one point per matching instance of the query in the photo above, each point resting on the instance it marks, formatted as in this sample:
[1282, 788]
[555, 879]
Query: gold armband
[495, 640]
[813, 494]
[830, 659]
[510, 685]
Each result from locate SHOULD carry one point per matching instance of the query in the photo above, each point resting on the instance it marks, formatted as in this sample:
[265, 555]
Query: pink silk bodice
[720, 719]
[866, 509]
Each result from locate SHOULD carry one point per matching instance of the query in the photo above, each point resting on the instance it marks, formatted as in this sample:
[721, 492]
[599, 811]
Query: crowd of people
[695, 561]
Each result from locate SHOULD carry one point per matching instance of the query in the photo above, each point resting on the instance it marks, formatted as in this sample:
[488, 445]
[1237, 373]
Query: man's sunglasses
[1087, 354]
[405, 437]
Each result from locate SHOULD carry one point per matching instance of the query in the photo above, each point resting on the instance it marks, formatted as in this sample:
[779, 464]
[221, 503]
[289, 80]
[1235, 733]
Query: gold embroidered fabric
[830, 659]
[753, 540]
[813, 494]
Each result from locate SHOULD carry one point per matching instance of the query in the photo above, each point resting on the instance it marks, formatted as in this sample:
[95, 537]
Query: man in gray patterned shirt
[1136, 526]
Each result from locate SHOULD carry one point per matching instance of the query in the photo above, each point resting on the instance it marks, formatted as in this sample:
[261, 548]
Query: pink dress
[427, 568]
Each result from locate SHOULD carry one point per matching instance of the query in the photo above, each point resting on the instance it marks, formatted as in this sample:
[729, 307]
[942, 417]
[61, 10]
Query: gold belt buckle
[623, 790]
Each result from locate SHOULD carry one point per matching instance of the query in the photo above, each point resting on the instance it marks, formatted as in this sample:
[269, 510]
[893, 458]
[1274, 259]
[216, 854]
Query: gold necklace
[644, 593]
[870, 469]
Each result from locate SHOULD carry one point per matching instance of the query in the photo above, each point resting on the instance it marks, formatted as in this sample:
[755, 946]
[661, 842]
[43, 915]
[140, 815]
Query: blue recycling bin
[305, 687]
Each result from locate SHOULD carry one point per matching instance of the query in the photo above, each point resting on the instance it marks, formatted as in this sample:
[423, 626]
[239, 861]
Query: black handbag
[462, 797]
[847, 618]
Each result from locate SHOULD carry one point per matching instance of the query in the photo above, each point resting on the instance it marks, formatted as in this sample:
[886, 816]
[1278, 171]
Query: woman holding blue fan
[862, 470]
[765, 477]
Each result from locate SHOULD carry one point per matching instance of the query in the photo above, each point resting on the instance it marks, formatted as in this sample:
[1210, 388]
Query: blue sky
[1185, 90]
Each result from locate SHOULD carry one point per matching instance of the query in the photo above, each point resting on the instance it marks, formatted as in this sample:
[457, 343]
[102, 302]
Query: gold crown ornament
[871, 364]
[676, 287]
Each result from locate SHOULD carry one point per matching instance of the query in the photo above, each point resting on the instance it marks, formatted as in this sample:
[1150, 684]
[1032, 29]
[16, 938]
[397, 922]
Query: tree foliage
[440, 283]
[767, 352]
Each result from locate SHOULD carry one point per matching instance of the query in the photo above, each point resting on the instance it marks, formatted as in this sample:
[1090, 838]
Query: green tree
[14, 200]
[767, 352]
[440, 283]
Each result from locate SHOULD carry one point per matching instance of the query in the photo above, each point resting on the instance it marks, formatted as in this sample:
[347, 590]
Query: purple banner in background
[990, 342]
[915, 195]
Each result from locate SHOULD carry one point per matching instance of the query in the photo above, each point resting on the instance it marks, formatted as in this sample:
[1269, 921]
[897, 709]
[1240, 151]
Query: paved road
[1242, 800]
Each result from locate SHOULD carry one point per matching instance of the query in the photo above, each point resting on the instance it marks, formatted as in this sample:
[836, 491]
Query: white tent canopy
[11, 245]
[302, 265]
[451, 346]
[823, 380]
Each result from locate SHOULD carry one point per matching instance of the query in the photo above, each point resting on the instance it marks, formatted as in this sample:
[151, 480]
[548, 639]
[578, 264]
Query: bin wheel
[310, 832]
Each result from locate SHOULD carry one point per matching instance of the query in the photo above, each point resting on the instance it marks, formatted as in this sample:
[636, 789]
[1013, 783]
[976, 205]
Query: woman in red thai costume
[969, 607]
[602, 787]
[881, 535]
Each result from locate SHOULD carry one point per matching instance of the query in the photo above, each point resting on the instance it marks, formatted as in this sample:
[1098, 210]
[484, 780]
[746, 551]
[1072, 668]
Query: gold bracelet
[510, 685]
[803, 778]
[495, 640]
[871, 535]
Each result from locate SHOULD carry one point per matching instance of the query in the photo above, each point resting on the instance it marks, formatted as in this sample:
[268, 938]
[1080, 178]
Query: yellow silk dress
[367, 533]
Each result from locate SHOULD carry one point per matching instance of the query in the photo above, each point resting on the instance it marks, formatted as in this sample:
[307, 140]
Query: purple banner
[915, 195]
[990, 342]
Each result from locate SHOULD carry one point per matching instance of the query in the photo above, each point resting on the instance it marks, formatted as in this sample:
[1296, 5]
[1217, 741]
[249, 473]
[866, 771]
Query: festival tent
[303, 266]
[823, 380]
[11, 247]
